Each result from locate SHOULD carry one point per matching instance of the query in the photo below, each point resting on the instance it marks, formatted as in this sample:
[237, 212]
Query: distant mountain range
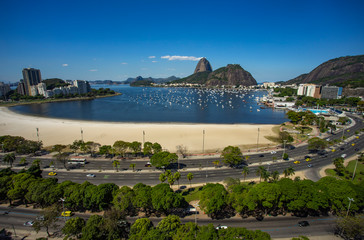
[342, 72]
[133, 80]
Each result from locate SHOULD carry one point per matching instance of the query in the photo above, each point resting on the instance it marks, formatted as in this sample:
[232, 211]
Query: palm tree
[162, 177]
[260, 171]
[132, 166]
[190, 177]
[36, 162]
[9, 159]
[177, 176]
[266, 176]
[216, 163]
[171, 180]
[23, 161]
[245, 172]
[289, 172]
[116, 164]
[275, 176]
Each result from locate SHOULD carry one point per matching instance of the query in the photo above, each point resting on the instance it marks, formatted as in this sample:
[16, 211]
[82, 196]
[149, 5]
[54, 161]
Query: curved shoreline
[169, 135]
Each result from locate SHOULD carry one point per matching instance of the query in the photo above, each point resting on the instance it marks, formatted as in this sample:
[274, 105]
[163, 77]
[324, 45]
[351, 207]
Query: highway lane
[281, 226]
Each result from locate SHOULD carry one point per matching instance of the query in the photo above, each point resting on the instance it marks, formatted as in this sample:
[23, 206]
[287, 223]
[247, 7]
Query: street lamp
[203, 141]
[38, 134]
[64, 215]
[350, 200]
[355, 169]
[143, 138]
[268, 164]
[258, 140]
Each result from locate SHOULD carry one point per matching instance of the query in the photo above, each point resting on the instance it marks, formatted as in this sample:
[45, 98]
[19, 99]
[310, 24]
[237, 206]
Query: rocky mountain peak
[203, 66]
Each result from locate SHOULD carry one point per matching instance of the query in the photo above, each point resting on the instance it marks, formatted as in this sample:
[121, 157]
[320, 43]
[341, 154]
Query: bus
[76, 160]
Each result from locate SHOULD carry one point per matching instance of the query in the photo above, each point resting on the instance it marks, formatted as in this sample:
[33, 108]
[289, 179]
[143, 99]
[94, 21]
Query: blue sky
[90, 40]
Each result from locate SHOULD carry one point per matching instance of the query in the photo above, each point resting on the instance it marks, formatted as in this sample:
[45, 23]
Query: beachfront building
[31, 77]
[4, 89]
[83, 86]
[309, 90]
[331, 92]
[269, 85]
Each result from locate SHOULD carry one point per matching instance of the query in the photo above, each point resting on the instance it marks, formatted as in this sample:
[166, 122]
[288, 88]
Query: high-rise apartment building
[31, 77]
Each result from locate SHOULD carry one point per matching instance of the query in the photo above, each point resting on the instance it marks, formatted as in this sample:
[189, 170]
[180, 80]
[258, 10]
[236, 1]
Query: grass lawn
[348, 174]
[192, 195]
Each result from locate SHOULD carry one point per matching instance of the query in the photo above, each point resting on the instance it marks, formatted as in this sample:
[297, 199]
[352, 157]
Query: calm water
[183, 105]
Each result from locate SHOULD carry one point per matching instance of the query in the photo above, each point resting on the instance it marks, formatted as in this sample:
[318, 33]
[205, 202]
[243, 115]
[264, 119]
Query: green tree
[140, 228]
[213, 199]
[23, 161]
[121, 147]
[143, 197]
[62, 158]
[50, 215]
[36, 162]
[316, 144]
[245, 172]
[132, 165]
[116, 164]
[135, 147]
[58, 148]
[177, 176]
[105, 149]
[163, 159]
[260, 172]
[9, 159]
[157, 148]
[169, 225]
[73, 227]
[339, 165]
[190, 177]
[148, 148]
[123, 200]
[162, 177]
[275, 176]
[285, 137]
[94, 229]
[288, 172]
[351, 227]
[232, 155]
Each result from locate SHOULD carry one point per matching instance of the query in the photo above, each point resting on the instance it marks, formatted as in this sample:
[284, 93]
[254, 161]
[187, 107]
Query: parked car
[343, 155]
[148, 164]
[273, 152]
[91, 175]
[52, 174]
[296, 162]
[308, 159]
[303, 224]
[309, 165]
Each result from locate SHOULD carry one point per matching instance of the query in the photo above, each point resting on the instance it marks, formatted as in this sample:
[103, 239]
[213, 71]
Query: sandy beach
[64, 131]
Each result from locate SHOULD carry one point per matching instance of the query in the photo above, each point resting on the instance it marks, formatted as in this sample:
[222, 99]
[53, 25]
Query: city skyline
[274, 41]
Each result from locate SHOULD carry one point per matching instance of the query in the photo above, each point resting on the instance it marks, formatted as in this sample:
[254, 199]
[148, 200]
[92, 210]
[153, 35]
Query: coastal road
[277, 227]
[204, 170]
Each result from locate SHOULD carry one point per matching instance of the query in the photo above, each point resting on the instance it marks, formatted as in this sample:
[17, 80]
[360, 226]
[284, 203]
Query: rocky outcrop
[203, 66]
[231, 75]
[344, 71]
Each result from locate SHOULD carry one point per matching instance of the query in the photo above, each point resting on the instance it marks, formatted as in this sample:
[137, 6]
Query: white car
[90, 175]
[29, 223]
[343, 155]
[221, 227]
[273, 152]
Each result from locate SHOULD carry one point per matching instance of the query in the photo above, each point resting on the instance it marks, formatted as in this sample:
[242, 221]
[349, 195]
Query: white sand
[64, 131]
